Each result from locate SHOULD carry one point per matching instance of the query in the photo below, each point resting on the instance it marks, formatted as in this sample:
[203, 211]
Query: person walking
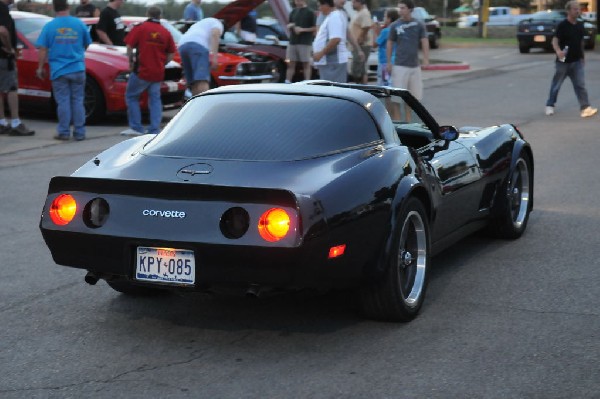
[150, 47]
[330, 54]
[198, 48]
[568, 46]
[110, 28]
[390, 15]
[86, 9]
[302, 29]
[62, 43]
[360, 25]
[193, 11]
[246, 28]
[405, 35]
[8, 75]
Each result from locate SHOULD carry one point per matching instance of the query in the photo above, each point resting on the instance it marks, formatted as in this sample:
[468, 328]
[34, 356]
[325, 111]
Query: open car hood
[233, 12]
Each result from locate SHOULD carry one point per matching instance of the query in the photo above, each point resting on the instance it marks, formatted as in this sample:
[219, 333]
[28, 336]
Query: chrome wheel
[399, 292]
[412, 258]
[518, 193]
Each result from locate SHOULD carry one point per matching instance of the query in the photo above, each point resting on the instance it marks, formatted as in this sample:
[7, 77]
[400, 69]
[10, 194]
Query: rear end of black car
[537, 31]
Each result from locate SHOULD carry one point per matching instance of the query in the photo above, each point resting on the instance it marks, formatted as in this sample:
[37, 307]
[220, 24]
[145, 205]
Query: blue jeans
[69, 92]
[574, 70]
[135, 88]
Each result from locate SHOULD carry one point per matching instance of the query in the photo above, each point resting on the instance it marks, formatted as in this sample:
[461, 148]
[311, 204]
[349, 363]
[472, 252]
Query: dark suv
[538, 30]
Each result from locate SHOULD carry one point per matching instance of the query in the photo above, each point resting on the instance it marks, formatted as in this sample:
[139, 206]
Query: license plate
[171, 86]
[165, 265]
[539, 38]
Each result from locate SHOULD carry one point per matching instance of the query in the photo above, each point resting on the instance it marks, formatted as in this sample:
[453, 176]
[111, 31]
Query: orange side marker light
[336, 251]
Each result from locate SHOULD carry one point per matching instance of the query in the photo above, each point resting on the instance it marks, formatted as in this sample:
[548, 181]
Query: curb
[462, 66]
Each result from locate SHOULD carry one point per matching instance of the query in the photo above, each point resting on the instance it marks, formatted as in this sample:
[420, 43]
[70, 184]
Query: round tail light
[63, 209]
[274, 224]
[95, 213]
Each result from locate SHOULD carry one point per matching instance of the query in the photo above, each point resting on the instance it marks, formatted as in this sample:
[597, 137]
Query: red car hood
[233, 12]
[113, 55]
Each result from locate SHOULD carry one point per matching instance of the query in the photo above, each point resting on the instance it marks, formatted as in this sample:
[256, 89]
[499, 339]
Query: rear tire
[523, 48]
[127, 288]
[515, 201]
[95, 106]
[399, 295]
[433, 42]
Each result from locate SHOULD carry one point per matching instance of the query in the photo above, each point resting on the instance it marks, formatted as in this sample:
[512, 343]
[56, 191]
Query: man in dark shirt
[86, 9]
[110, 29]
[246, 28]
[8, 75]
[302, 32]
[568, 46]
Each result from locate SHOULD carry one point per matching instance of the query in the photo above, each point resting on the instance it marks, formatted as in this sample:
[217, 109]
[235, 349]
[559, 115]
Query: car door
[30, 87]
[456, 178]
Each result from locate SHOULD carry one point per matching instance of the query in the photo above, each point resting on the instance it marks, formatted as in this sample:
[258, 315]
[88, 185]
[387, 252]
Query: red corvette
[107, 71]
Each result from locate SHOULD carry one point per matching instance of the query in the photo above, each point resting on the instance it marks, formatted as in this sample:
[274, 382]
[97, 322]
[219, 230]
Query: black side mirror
[448, 133]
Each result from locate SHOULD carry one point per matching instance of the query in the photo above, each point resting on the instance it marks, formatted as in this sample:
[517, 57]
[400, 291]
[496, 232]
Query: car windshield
[264, 126]
[31, 27]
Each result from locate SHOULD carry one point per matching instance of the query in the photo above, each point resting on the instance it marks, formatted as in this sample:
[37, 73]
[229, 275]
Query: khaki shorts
[8, 78]
[299, 52]
[359, 68]
[408, 78]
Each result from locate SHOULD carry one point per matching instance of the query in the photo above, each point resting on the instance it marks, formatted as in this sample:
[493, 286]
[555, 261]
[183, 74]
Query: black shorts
[8, 76]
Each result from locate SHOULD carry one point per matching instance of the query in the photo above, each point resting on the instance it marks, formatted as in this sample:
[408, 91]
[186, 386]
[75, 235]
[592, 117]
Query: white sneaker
[131, 132]
[549, 110]
[589, 111]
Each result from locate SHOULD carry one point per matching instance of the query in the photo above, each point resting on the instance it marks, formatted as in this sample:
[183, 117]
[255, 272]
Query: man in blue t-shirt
[193, 11]
[63, 42]
[405, 35]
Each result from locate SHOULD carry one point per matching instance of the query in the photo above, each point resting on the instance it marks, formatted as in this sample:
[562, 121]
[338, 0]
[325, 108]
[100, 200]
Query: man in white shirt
[330, 54]
[198, 48]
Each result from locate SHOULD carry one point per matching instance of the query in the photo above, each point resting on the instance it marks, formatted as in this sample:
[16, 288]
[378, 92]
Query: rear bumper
[216, 265]
[529, 39]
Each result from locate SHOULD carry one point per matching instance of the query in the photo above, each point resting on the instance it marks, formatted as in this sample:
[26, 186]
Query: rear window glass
[544, 15]
[264, 126]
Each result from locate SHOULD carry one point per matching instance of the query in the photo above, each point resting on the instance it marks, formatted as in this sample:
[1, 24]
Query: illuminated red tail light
[274, 224]
[63, 209]
[336, 251]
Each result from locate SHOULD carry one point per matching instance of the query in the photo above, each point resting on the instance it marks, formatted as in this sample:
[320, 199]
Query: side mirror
[448, 133]
[273, 38]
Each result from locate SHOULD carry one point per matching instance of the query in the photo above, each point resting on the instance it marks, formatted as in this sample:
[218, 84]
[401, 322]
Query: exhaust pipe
[253, 291]
[91, 278]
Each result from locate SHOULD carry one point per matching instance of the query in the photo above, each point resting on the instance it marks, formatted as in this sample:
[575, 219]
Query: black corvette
[277, 186]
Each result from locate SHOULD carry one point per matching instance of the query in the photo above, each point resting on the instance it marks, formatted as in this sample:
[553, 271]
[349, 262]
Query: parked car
[107, 71]
[257, 187]
[232, 68]
[270, 31]
[434, 32]
[498, 16]
[538, 30]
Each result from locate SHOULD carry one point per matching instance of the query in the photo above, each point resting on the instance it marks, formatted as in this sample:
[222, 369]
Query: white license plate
[172, 86]
[165, 265]
[539, 38]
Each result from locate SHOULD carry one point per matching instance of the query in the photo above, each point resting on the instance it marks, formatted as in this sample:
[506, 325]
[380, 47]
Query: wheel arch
[409, 187]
